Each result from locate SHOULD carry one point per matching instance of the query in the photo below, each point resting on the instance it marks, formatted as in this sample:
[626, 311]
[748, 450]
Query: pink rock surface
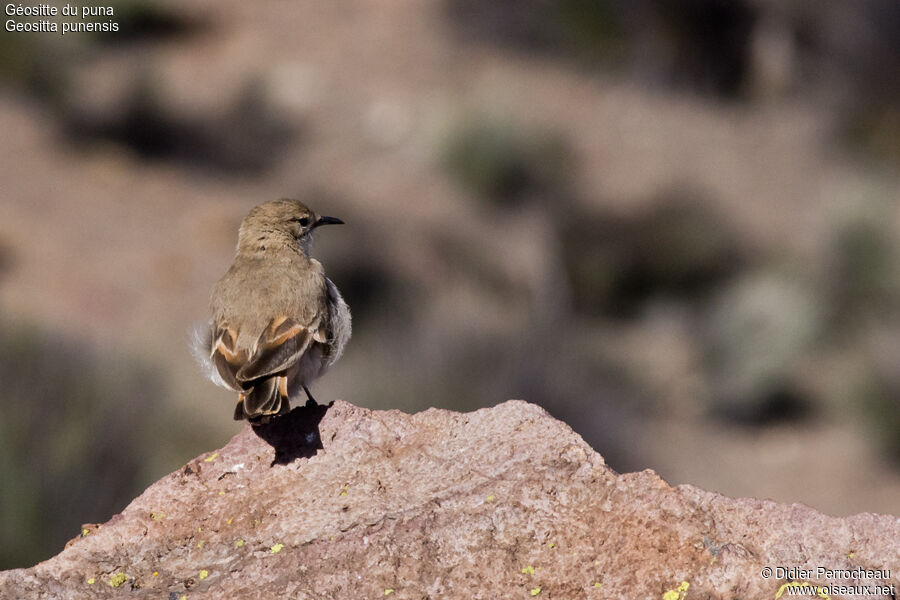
[505, 502]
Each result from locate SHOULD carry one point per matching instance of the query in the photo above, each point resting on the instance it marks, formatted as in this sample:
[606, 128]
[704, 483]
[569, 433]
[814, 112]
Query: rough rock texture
[506, 502]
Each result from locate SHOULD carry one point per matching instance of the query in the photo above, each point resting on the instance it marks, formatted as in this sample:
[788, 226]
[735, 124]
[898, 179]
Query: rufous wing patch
[279, 346]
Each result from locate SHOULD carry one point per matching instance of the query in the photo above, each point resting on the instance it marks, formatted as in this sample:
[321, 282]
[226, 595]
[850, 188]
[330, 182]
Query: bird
[277, 322]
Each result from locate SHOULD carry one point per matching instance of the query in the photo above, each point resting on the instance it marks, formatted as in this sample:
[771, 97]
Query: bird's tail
[266, 398]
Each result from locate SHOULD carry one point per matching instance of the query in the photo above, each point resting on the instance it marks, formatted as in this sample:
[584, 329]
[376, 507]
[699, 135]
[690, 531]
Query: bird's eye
[303, 221]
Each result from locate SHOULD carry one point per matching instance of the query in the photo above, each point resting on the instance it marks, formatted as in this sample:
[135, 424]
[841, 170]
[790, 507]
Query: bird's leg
[311, 401]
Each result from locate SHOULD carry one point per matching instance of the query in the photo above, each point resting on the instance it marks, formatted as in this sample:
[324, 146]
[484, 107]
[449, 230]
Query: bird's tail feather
[267, 397]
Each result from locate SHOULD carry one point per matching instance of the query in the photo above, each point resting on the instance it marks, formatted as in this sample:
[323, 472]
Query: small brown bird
[277, 322]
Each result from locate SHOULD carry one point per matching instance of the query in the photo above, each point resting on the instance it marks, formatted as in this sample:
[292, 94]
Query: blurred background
[672, 224]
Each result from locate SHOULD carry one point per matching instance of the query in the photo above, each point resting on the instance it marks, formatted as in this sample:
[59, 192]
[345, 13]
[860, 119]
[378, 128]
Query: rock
[505, 502]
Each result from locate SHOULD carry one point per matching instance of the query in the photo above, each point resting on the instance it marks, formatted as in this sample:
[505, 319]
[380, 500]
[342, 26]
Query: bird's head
[282, 222]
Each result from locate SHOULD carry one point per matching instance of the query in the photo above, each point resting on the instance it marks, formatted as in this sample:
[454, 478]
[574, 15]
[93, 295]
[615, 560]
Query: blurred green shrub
[75, 437]
[583, 30]
[710, 46]
[879, 398]
[702, 44]
[40, 64]
[761, 331]
[504, 162]
[35, 64]
[679, 248]
[862, 271]
[245, 139]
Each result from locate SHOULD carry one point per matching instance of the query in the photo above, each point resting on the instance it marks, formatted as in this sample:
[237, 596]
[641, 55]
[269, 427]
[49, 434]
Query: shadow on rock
[295, 434]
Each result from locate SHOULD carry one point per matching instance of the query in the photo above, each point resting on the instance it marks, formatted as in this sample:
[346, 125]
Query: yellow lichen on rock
[820, 591]
[679, 593]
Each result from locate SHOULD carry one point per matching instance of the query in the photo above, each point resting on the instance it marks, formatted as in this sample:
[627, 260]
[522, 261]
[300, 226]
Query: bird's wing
[225, 355]
[280, 345]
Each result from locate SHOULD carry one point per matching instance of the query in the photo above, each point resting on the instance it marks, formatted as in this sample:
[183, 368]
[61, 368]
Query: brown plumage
[277, 322]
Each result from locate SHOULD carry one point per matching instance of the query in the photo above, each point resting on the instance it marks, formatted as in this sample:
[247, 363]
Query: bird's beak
[328, 221]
